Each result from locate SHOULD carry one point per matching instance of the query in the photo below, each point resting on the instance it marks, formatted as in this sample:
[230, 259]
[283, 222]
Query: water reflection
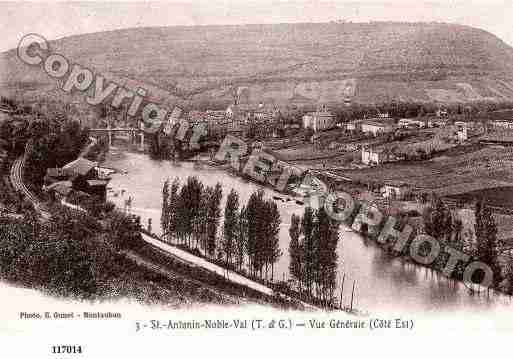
[382, 282]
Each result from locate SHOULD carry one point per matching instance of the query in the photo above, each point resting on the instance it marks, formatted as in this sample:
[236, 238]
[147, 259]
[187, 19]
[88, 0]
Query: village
[419, 163]
[400, 164]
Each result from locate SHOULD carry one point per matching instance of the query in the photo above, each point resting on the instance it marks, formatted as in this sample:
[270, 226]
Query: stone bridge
[133, 133]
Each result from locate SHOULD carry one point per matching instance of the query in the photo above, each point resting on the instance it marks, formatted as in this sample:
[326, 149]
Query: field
[497, 197]
[457, 171]
[499, 135]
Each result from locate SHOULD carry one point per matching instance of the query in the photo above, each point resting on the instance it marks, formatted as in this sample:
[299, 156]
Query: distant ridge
[304, 63]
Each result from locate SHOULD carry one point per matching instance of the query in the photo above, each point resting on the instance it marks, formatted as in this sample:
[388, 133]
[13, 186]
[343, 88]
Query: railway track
[16, 177]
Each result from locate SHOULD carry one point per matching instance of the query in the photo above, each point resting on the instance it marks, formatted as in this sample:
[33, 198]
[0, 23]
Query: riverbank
[224, 275]
[383, 283]
[437, 266]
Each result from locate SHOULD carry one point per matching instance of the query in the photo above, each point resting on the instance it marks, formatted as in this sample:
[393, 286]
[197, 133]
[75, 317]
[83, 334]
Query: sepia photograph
[258, 174]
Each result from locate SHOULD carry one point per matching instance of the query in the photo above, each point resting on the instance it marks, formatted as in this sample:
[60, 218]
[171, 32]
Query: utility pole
[342, 291]
[352, 295]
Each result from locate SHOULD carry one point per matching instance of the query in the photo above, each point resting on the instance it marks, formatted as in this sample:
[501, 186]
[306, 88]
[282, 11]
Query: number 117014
[66, 349]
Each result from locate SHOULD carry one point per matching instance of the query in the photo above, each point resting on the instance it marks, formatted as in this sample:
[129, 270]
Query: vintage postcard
[249, 178]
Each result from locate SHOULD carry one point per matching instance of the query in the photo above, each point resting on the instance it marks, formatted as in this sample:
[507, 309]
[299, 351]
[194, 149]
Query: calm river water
[382, 284]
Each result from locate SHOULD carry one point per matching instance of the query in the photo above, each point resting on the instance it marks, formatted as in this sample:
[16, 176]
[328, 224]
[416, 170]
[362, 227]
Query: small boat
[300, 202]
[276, 198]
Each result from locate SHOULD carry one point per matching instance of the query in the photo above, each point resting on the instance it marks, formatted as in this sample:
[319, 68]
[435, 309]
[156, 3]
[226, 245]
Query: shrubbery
[74, 255]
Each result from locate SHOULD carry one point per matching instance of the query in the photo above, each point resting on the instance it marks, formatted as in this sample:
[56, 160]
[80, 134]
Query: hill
[283, 63]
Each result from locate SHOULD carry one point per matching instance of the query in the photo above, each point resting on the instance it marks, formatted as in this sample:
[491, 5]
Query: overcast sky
[58, 19]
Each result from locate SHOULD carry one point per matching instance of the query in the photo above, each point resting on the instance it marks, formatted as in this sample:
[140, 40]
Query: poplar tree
[204, 210]
[313, 253]
[184, 214]
[172, 208]
[307, 228]
[325, 258]
[164, 216]
[438, 220]
[200, 221]
[242, 237]
[275, 223]
[196, 193]
[213, 217]
[272, 235]
[295, 250]
[230, 226]
[486, 237]
[254, 214]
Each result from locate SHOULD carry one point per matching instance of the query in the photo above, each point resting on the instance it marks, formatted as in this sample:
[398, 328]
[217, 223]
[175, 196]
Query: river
[382, 283]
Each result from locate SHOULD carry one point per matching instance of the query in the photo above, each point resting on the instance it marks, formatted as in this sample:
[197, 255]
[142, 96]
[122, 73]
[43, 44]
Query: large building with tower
[320, 120]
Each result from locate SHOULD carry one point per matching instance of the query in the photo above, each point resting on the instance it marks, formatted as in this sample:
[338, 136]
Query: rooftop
[320, 113]
[375, 123]
[61, 187]
[396, 183]
[97, 182]
[80, 166]
[56, 172]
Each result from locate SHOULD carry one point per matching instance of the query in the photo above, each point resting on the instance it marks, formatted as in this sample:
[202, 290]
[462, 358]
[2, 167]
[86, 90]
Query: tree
[295, 250]
[261, 233]
[509, 278]
[253, 215]
[213, 217]
[241, 238]
[307, 228]
[182, 218]
[202, 220]
[272, 235]
[189, 209]
[457, 227]
[313, 260]
[194, 201]
[325, 258]
[486, 237]
[172, 208]
[164, 216]
[438, 220]
[230, 227]
[124, 231]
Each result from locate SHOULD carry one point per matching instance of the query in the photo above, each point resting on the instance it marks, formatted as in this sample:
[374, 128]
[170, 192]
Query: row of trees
[313, 253]
[191, 215]
[255, 231]
[415, 109]
[442, 224]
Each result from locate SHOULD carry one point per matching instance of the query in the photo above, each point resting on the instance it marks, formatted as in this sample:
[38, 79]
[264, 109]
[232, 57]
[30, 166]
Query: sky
[58, 19]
